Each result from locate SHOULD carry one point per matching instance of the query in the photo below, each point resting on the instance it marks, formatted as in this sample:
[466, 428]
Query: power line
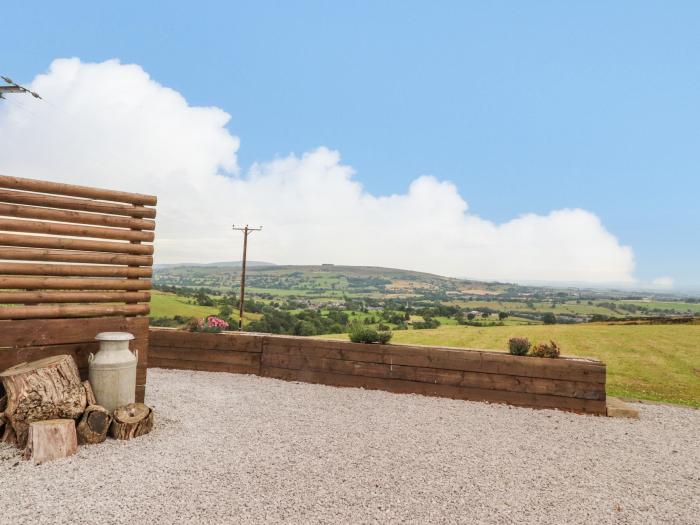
[246, 231]
[14, 87]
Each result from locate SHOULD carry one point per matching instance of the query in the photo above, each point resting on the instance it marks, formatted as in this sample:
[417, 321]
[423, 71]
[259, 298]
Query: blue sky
[525, 106]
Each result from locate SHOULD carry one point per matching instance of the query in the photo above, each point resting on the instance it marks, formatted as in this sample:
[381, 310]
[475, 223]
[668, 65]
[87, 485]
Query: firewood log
[51, 439]
[93, 425]
[3, 419]
[130, 421]
[89, 394]
[49, 388]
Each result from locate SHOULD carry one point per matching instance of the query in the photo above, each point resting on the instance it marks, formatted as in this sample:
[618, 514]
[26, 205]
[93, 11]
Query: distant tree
[549, 318]
[203, 299]
[485, 315]
[471, 316]
[225, 311]
[502, 315]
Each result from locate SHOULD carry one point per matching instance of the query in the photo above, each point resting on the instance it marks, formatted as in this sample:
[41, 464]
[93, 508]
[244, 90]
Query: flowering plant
[210, 324]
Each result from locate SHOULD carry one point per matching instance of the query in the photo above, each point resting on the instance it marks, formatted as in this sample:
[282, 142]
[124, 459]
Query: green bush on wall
[360, 333]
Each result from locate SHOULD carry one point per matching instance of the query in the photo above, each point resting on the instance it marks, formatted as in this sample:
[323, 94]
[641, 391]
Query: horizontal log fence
[73, 259]
[576, 385]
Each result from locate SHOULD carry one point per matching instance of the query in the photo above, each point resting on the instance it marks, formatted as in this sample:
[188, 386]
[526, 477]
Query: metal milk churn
[113, 370]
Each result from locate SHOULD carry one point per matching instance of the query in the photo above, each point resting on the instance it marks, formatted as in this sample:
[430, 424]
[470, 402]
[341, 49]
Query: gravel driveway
[244, 449]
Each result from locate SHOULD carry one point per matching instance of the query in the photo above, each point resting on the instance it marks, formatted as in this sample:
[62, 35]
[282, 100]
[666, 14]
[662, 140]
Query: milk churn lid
[114, 336]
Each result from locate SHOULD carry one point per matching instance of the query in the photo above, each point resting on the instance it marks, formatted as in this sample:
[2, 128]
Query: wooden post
[246, 231]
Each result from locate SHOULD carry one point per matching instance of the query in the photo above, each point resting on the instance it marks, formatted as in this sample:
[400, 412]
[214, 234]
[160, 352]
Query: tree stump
[93, 425]
[49, 388]
[130, 421]
[51, 439]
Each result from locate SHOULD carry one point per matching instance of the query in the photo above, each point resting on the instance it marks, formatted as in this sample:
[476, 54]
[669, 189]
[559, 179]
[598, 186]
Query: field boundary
[572, 384]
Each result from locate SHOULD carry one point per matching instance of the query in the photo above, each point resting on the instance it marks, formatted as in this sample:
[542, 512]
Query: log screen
[74, 261]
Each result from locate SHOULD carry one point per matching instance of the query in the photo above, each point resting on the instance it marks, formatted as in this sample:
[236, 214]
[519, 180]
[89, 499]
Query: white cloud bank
[110, 125]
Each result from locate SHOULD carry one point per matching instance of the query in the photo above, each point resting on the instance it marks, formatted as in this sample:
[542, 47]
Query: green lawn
[655, 362]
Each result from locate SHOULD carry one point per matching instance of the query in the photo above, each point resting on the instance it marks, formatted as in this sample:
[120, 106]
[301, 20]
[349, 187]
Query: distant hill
[323, 277]
[374, 280]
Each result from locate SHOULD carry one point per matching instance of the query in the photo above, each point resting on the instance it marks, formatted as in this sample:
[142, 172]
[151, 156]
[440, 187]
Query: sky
[526, 141]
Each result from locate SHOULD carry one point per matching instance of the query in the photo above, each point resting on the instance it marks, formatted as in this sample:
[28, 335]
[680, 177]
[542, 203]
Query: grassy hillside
[655, 362]
[170, 305]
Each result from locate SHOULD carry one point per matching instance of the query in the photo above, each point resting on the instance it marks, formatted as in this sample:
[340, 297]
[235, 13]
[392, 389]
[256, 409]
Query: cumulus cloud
[111, 125]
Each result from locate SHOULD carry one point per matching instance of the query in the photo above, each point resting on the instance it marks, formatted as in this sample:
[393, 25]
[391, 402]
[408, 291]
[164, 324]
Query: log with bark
[130, 421]
[51, 439]
[89, 394]
[94, 425]
[49, 388]
[3, 420]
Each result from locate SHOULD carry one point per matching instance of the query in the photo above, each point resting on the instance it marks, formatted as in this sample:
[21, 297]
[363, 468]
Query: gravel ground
[244, 449]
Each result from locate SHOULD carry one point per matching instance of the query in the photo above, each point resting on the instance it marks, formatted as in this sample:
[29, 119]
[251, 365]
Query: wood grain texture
[399, 386]
[170, 337]
[51, 439]
[74, 230]
[70, 203]
[70, 283]
[130, 421]
[72, 311]
[201, 366]
[19, 183]
[94, 425]
[48, 388]
[46, 254]
[62, 243]
[18, 334]
[76, 270]
[569, 384]
[460, 378]
[77, 217]
[440, 357]
[41, 296]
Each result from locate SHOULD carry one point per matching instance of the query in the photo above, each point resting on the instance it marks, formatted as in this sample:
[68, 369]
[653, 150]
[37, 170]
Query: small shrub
[550, 350]
[384, 336]
[518, 345]
[359, 333]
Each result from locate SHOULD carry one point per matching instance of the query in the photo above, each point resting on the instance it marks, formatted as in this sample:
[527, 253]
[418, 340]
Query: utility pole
[246, 231]
[14, 87]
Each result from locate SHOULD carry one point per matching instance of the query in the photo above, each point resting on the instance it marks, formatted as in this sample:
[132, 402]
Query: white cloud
[111, 125]
[663, 282]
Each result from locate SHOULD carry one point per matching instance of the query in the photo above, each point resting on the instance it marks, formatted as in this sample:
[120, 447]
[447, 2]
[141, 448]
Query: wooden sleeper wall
[568, 384]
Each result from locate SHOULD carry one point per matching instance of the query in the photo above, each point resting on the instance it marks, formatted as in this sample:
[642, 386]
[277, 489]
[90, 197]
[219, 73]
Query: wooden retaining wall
[74, 261]
[576, 385]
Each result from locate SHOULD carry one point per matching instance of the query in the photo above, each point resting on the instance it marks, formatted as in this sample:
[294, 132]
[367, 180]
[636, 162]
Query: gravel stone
[230, 448]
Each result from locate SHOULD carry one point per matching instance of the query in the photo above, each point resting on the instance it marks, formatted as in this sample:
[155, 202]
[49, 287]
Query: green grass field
[170, 305]
[654, 362]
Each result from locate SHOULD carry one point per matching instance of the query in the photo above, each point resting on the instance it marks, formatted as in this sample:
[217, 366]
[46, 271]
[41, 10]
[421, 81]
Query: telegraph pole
[246, 231]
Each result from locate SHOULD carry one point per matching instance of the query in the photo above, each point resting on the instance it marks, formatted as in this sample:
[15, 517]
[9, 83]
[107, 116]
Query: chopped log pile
[47, 411]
